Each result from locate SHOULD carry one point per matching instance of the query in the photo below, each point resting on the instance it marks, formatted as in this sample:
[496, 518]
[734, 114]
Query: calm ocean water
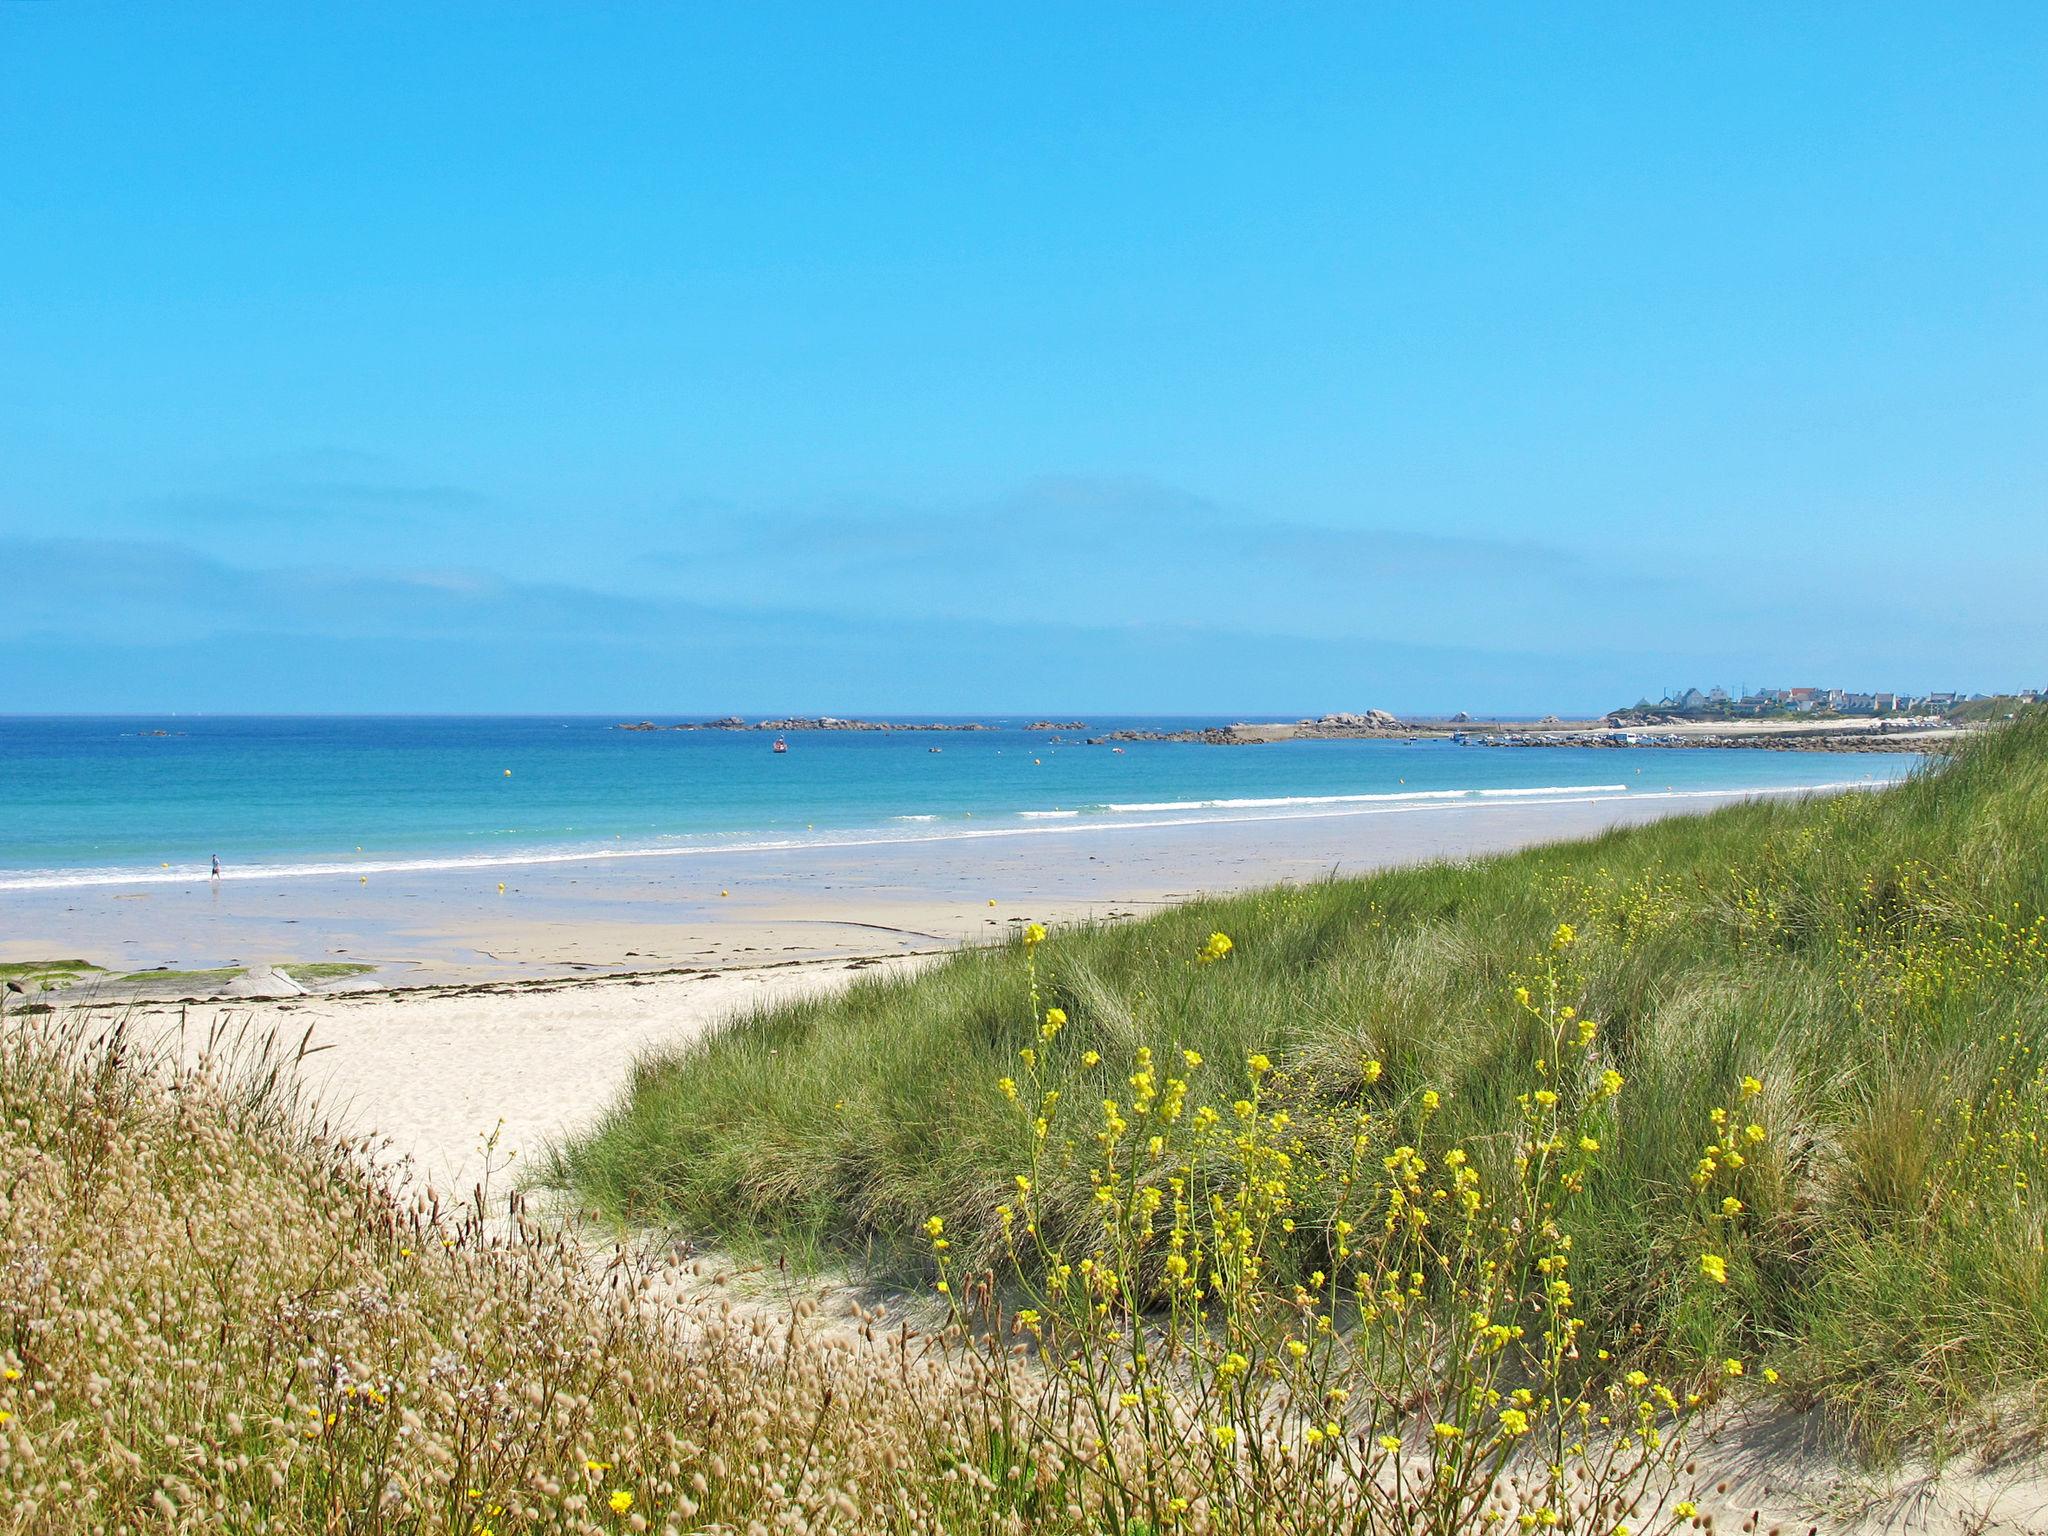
[90, 801]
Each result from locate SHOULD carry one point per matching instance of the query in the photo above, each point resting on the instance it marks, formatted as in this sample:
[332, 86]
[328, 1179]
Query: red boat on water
[781, 745]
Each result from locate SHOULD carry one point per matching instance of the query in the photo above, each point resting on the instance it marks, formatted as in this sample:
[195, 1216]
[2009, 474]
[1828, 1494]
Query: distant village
[1720, 704]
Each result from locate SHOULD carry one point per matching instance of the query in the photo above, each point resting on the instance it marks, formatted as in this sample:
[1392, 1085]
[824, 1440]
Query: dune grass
[1879, 962]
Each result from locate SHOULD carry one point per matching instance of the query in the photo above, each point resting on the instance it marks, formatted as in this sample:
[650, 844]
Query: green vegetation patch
[325, 970]
[1877, 962]
[46, 975]
[203, 978]
[2000, 707]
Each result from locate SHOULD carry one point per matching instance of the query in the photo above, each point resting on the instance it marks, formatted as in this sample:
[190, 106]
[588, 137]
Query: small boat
[781, 745]
[935, 749]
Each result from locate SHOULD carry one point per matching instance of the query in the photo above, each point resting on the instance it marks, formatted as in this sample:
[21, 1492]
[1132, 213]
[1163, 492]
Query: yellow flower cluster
[1433, 1314]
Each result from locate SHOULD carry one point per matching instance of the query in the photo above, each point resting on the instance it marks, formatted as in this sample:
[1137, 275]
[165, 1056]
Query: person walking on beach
[216, 866]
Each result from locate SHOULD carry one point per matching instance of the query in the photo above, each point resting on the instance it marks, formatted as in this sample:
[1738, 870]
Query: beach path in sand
[437, 1071]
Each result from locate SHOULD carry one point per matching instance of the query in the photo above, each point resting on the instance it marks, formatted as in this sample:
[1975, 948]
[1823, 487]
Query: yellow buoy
[508, 773]
[501, 887]
[991, 901]
[725, 893]
[362, 879]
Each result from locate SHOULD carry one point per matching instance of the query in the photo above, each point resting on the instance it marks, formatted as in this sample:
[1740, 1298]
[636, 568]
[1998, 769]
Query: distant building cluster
[1719, 703]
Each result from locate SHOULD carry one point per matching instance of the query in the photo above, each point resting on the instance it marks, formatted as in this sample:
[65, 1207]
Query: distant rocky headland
[806, 723]
[1621, 729]
[1338, 727]
[1917, 735]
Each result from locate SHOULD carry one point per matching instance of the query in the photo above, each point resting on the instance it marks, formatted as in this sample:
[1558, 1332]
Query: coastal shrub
[1875, 959]
[1433, 1373]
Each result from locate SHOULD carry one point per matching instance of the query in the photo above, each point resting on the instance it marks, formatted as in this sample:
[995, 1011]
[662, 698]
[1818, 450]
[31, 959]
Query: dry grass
[212, 1319]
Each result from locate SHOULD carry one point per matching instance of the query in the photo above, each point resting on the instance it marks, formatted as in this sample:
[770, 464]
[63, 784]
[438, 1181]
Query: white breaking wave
[1279, 800]
[1559, 789]
[1301, 808]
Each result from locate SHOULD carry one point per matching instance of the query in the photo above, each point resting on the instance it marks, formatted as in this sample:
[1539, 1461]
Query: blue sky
[662, 358]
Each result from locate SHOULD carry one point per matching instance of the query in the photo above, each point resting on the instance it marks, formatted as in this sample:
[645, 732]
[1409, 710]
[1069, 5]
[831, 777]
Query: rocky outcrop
[1335, 727]
[269, 981]
[1211, 736]
[1373, 722]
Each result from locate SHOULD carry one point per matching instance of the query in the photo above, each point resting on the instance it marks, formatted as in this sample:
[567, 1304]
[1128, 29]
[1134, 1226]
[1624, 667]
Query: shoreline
[1119, 818]
[718, 909]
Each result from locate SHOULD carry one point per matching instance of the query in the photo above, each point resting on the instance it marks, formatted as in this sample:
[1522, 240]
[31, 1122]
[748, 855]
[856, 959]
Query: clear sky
[661, 358]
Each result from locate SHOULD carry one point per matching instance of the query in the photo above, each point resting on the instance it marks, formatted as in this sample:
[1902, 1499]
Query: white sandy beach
[438, 1071]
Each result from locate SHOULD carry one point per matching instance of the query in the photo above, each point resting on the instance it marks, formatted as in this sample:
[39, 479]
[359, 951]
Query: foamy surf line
[1152, 807]
[52, 880]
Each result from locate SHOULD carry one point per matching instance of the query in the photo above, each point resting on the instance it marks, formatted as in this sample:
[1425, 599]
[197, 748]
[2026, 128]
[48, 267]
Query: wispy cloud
[1132, 550]
[421, 638]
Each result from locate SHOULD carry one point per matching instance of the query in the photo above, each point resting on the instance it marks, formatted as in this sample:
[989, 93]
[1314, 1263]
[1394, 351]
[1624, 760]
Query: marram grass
[1876, 962]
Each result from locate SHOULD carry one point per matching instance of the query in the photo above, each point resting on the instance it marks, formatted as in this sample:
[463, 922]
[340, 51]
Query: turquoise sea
[104, 801]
